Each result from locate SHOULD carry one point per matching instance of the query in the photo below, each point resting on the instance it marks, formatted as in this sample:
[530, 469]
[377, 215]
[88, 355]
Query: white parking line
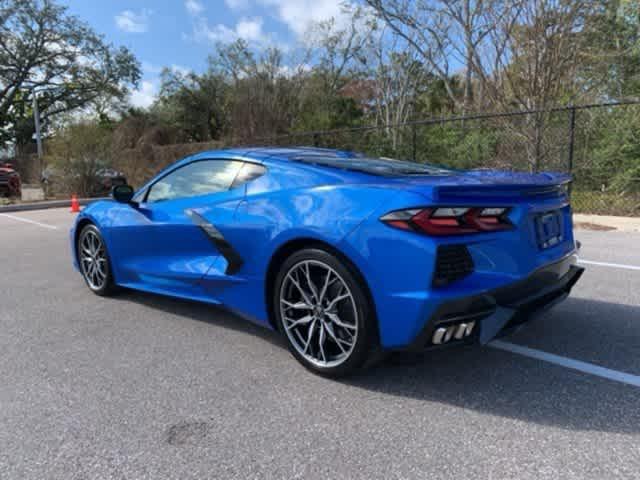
[568, 363]
[607, 264]
[26, 220]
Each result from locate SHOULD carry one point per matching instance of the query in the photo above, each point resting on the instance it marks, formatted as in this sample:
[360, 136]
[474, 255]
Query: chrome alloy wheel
[93, 259]
[319, 313]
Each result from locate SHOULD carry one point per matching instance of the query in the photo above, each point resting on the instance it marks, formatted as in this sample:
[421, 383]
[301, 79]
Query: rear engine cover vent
[453, 262]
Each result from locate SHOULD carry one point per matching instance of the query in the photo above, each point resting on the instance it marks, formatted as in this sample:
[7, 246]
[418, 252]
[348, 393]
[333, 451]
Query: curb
[24, 207]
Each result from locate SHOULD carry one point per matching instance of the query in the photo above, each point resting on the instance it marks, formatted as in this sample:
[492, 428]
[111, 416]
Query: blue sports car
[347, 256]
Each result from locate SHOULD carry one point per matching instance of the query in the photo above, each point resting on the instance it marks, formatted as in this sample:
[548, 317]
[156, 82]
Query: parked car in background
[105, 180]
[98, 184]
[10, 182]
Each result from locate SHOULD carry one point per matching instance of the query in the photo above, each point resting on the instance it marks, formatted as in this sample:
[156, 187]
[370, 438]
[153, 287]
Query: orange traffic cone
[75, 206]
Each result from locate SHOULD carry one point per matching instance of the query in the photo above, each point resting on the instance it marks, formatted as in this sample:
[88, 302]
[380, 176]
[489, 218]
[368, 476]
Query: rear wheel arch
[289, 248]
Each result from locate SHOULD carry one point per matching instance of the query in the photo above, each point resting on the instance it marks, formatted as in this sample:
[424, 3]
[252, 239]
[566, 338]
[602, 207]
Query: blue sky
[182, 33]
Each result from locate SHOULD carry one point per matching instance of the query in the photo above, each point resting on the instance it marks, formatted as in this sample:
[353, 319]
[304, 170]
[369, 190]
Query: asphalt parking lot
[139, 386]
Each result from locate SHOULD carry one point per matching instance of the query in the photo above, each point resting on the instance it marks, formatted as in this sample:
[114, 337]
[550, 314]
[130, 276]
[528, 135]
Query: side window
[249, 171]
[198, 178]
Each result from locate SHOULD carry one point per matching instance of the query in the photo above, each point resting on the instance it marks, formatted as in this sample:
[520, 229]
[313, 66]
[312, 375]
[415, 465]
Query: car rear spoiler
[507, 191]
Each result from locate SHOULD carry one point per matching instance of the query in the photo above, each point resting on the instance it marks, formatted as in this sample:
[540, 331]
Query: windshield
[376, 166]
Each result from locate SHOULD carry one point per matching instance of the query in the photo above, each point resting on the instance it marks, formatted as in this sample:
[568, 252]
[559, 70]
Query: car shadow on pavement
[495, 382]
[202, 312]
[508, 385]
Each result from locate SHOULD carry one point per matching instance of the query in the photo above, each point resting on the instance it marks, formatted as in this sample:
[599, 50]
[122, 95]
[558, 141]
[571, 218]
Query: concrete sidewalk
[606, 222]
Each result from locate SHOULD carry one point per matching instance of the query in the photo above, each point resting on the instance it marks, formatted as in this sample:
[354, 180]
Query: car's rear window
[387, 167]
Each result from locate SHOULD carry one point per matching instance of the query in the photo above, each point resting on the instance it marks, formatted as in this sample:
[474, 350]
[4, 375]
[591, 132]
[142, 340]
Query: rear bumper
[500, 310]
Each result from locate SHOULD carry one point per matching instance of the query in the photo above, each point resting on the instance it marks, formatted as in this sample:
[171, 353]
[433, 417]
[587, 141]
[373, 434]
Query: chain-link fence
[598, 144]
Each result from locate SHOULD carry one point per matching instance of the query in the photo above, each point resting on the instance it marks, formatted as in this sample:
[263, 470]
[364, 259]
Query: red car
[10, 184]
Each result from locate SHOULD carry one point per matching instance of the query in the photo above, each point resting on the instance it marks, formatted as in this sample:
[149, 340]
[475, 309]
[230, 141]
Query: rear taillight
[449, 220]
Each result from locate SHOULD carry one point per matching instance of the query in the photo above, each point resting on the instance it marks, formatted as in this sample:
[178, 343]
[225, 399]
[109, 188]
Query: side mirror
[122, 193]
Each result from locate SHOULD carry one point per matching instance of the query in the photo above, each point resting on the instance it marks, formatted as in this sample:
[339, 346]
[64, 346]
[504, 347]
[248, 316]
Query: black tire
[366, 339]
[107, 287]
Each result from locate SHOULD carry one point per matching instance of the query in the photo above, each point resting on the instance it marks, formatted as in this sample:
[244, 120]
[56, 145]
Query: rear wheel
[323, 310]
[93, 259]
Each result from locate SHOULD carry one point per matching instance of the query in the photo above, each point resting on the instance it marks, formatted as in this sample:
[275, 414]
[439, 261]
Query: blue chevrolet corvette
[346, 256]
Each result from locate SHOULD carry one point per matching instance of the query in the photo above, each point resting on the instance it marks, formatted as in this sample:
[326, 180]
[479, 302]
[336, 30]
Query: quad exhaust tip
[457, 331]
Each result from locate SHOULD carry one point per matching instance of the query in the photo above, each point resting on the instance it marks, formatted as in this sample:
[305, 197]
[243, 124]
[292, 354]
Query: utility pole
[36, 119]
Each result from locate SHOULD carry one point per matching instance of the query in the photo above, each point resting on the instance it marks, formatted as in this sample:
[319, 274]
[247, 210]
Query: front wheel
[322, 308]
[94, 261]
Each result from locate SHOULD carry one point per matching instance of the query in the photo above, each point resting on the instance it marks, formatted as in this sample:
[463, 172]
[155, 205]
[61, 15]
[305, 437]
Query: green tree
[196, 105]
[45, 49]
[77, 153]
[264, 92]
[613, 63]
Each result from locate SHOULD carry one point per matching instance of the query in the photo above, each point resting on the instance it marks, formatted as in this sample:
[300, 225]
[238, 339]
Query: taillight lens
[440, 221]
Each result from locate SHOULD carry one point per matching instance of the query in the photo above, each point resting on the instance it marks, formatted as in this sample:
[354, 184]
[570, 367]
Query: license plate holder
[549, 229]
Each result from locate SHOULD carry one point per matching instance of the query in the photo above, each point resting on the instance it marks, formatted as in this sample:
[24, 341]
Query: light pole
[36, 120]
[37, 125]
